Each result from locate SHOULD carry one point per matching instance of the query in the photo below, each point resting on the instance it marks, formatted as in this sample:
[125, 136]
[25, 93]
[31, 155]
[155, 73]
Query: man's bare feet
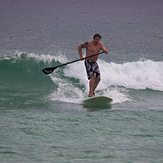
[91, 95]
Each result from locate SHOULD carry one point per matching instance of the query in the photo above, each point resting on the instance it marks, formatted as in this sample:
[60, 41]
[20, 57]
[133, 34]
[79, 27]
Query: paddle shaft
[49, 70]
[77, 60]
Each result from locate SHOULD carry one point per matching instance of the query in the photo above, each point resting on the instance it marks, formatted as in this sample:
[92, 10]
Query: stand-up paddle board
[97, 102]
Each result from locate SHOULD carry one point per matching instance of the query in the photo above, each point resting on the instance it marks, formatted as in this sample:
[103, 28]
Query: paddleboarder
[92, 68]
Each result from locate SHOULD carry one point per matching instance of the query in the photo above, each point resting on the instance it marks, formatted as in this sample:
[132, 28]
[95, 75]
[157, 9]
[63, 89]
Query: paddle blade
[48, 70]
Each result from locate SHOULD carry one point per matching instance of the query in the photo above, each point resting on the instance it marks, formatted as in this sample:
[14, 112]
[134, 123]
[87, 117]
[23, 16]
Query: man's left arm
[104, 49]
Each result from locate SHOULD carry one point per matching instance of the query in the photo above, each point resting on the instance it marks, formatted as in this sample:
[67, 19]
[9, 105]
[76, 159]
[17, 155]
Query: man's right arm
[80, 47]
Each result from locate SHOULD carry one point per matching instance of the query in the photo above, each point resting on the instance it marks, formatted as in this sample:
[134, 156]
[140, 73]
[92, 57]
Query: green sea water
[42, 118]
[72, 134]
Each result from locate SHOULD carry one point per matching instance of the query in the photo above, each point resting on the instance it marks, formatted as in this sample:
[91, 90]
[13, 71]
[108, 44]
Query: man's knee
[93, 77]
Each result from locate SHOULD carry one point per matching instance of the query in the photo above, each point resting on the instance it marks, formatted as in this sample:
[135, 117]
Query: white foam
[43, 57]
[66, 92]
[130, 75]
[135, 75]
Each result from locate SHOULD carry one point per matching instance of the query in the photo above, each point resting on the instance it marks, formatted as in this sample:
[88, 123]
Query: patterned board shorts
[92, 69]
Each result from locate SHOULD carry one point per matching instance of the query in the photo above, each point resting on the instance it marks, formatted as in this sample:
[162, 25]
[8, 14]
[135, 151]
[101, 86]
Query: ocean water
[42, 118]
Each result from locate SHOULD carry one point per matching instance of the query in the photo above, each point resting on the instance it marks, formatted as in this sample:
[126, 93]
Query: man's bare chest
[94, 48]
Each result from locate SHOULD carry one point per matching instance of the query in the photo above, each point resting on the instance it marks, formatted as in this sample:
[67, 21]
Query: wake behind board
[97, 102]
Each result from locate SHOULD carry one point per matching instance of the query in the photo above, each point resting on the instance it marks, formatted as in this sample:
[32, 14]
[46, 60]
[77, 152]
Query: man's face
[96, 40]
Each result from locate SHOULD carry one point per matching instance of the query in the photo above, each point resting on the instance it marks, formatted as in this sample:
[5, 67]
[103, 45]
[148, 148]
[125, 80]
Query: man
[92, 69]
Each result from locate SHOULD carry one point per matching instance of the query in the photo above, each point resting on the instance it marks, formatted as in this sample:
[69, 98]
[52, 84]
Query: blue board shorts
[92, 69]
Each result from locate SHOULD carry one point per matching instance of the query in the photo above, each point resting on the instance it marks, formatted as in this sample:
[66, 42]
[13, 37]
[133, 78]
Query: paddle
[49, 70]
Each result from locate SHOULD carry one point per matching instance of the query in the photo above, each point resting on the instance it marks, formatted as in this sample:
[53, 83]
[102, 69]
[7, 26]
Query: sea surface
[42, 117]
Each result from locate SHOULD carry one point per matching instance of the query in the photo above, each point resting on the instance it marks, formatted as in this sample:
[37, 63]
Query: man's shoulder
[87, 43]
[84, 45]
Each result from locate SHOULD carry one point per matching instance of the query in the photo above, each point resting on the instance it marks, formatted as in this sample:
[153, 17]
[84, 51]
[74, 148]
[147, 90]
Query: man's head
[96, 38]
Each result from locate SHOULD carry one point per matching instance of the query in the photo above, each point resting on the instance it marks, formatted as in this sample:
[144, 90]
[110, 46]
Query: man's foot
[91, 95]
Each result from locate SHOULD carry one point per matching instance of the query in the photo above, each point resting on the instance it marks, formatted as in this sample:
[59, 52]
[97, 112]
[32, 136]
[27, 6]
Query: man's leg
[93, 83]
[97, 80]
[92, 86]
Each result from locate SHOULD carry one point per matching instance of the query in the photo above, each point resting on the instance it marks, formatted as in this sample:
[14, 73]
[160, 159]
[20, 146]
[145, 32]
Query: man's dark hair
[97, 35]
